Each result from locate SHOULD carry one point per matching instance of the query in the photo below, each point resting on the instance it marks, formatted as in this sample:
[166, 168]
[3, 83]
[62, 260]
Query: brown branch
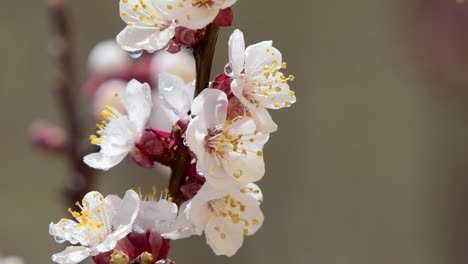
[65, 88]
[203, 54]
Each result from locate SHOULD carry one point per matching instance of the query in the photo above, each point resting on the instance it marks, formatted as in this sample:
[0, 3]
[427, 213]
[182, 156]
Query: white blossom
[225, 215]
[148, 25]
[157, 216]
[172, 101]
[225, 149]
[107, 58]
[258, 82]
[196, 14]
[119, 132]
[11, 260]
[101, 223]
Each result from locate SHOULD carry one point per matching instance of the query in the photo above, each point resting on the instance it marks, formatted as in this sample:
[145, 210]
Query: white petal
[135, 38]
[263, 120]
[226, 241]
[211, 106]
[155, 216]
[197, 17]
[259, 55]
[236, 52]
[254, 191]
[182, 227]
[197, 209]
[252, 213]
[66, 230]
[137, 101]
[226, 3]
[127, 211]
[175, 93]
[102, 161]
[195, 137]
[71, 255]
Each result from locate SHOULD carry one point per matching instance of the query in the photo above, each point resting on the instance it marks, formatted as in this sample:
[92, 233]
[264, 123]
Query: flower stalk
[203, 54]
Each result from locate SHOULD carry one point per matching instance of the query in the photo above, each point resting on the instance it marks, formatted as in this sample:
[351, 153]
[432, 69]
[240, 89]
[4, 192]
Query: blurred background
[369, 166]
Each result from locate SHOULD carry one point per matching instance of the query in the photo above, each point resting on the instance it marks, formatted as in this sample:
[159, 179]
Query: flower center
[229, 207]
[267, 85]
[107, 114]
[203, 3]
[93, 221]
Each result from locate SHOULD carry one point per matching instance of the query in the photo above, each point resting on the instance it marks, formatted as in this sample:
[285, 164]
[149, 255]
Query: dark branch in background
[65, 89]
[203, 54]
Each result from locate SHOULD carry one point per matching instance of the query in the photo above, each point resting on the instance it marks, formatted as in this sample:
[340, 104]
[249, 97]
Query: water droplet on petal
[59, 239]
[165, 261]
[228, 70]
[199, 172]
[135, 54]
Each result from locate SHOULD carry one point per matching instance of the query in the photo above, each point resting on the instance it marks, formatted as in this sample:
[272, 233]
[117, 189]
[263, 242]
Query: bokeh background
[370, 166]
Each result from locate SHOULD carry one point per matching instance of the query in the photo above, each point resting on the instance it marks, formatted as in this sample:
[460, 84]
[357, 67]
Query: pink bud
[47, 135]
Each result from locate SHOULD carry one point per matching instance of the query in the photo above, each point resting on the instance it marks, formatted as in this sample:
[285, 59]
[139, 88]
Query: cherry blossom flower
[101, 223]
[225, 215]
[118, 133]
[258, 82]
[155, 215]
[148, 26]
[196, 14]
[172, 101]
[108, 58]
[225, 149]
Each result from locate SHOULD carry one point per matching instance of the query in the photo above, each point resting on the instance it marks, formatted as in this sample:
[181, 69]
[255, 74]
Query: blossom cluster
[223, 128]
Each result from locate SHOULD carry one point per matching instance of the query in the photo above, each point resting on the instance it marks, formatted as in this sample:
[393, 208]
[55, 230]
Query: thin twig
[65, 88]
[203, 54]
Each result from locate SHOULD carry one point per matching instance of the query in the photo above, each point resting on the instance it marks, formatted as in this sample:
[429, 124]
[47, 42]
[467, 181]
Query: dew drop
[228, 69]
[135, 54]
[59, 239]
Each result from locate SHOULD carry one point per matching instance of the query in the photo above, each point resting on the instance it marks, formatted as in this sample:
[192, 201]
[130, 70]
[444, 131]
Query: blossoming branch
[209, 133]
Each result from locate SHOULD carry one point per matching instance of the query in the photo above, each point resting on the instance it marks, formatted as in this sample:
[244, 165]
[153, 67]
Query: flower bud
[48, 136]
[108, 58]
[181, 64]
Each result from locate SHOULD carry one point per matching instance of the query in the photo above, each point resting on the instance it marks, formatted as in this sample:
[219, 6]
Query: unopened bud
[47, 135]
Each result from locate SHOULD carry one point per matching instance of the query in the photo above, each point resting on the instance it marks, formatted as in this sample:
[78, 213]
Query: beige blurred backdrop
[368, 167]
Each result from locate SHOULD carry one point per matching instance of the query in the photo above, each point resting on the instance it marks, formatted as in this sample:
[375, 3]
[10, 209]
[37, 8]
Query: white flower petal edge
[196, 14]
[148, 26]
[119, 132]
[226, 215]
[258, 82]
[156, 216]
[172, 101]
[101, 223]
[225, 149]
